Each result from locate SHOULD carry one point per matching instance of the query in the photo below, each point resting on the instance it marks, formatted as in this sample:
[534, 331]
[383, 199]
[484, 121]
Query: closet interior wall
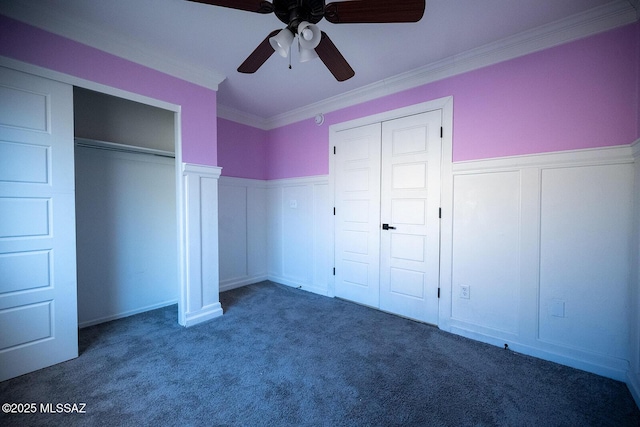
[125, 207]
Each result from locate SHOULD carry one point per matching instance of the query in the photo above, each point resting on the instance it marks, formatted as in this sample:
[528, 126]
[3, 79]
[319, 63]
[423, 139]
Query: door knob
[387, 227]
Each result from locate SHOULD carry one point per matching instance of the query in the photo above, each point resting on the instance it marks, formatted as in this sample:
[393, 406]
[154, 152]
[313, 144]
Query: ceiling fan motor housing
[293, 12]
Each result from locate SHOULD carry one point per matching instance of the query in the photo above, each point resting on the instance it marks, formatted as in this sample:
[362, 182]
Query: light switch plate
[557, 308]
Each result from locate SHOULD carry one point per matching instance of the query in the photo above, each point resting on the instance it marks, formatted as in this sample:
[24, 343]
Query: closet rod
[112, 146]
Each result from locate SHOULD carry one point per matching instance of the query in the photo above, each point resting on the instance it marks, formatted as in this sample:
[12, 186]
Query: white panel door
[410, 201]
[357, 217]
[38, 309]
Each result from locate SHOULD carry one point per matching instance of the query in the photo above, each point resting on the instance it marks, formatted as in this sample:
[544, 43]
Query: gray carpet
[285, 357]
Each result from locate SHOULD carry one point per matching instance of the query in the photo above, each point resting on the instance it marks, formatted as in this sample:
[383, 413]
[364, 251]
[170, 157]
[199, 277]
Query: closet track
[123, 148]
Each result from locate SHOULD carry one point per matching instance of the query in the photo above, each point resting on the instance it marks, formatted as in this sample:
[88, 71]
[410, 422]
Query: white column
[199, 297]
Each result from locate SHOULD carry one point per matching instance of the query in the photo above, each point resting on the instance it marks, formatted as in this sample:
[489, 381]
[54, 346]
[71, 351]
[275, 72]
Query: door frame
[446, 187]
[179, 175]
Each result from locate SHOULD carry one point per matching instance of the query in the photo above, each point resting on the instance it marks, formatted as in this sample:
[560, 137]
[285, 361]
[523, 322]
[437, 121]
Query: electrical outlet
[465, 291]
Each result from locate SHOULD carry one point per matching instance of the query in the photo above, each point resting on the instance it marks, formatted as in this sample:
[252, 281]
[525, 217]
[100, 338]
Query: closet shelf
[113, 146]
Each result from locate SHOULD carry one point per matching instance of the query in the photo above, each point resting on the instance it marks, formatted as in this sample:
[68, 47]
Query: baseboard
[206, 313]
[633, 383]
[276, 279]
[300, 285]
[605, 366]
[227, 285]
[124, 314]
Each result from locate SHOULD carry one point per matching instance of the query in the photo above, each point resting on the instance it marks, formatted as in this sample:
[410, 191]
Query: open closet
[126, 226]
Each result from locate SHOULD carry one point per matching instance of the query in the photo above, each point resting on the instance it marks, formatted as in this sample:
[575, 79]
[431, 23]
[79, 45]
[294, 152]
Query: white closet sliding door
[38, 317]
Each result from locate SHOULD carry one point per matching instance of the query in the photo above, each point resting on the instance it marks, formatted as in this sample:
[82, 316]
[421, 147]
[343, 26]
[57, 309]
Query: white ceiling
[210, 42]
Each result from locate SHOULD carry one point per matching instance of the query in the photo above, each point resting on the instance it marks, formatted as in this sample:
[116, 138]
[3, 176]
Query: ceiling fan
[300, 16]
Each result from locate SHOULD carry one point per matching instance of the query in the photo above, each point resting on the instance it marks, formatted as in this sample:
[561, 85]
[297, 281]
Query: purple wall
[579, 95]
[199, 128]
[583, 94]
[242, 150]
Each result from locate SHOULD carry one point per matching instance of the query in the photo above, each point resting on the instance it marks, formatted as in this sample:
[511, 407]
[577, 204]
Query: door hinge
[441, 134]
[334, 149]
[334, 210]
[438, 292]
[440, 213]
[334, 271]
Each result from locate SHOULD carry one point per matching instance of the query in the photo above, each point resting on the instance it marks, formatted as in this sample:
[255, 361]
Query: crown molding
[241, 117]
[599, 19]
[109, 42]
[596, 20]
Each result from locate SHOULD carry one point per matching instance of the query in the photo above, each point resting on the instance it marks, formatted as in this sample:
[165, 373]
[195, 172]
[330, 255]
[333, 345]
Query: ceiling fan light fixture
[306, 34]
[309, 35]
[306, 54]
[281, 42]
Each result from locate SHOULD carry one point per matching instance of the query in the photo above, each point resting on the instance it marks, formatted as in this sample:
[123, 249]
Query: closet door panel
[387, 226]
[38, 314]
[357, 219]
[410, 200]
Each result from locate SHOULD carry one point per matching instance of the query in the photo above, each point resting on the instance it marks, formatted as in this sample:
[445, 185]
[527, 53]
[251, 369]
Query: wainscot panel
[243, 231]
[299, 235]
[541, 245]
[277, 230]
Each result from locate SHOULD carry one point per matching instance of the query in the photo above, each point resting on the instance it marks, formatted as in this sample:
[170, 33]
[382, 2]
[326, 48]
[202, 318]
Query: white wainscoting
[277, 230]
[242, 231]
[299, 234]
[633, 376]
[544, 244]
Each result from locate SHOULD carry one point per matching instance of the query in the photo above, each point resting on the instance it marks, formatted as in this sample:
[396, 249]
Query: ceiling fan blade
[258, 6]
[333, 59]
[259, 56]
[374, 11]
